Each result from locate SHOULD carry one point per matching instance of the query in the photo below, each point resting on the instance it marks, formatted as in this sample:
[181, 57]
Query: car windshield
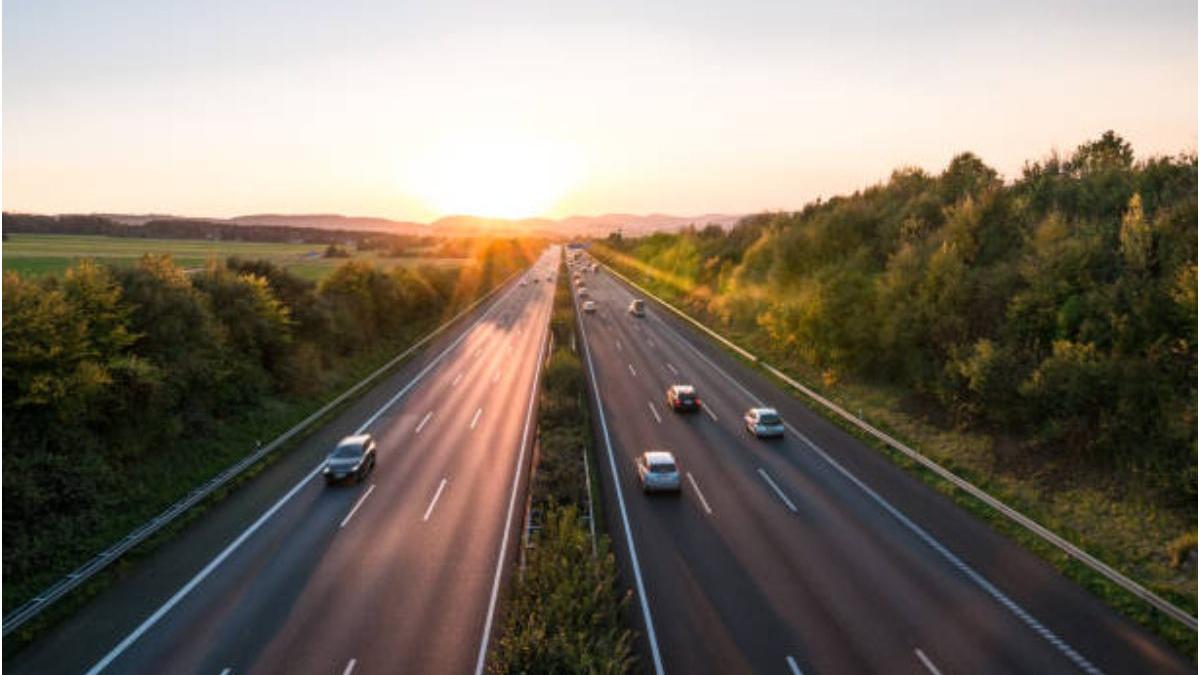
[347, 452]
[768, 418]
[662, 468]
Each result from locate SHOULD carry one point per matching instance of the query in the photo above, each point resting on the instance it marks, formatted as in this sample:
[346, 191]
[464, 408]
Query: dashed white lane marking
[793, 667]
[424, 421]
[619, 346]
[436, 495]
[709, 411]
[703, 501]
[496, 376]
[350, 667]
[787, 502]
[657, 417]
[672, 369]
[456, 380]
[357, 505]
[475, 418]
[631, 370]
[926, 662]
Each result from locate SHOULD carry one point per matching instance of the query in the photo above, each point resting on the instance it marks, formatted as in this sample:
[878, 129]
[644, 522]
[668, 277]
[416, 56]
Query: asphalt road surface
[398, 573]
[812, 553]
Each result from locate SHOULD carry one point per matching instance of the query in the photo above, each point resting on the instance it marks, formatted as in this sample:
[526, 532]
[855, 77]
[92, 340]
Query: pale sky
[415, 110]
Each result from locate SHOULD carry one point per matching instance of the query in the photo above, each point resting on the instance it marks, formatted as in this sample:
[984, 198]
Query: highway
[399, 573]
[812, 553]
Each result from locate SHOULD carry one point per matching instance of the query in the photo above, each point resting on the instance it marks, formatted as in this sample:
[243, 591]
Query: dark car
[353, 458]
[682, 398]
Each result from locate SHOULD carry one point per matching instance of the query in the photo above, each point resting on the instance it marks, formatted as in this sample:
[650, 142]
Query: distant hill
[453, 226]
[333, 221]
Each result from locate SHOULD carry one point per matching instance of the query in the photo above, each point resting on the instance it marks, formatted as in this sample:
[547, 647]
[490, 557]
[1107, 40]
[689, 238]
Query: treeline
[184, 228]
[116, 378]
[1059, 309]
[566, 613]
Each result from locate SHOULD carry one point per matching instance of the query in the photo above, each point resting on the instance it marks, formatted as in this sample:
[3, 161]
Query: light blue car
[764, 422]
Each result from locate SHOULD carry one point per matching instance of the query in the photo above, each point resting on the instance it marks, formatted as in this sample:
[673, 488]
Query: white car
[589, 307]
[637, 307]
[658, 471]
[764, 422]
[583, 293]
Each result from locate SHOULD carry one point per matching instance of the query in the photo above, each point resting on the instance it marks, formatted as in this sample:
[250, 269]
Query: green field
[53, 253]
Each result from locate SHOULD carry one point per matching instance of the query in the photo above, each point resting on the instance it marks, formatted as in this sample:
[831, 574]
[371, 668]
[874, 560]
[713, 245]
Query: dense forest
[1058, 309]
[115, 377]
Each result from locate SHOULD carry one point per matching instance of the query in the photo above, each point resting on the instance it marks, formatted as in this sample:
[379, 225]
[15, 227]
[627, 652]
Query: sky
[416, 110]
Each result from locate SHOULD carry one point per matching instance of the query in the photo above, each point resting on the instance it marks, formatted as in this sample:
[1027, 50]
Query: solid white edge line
[651, 636]
[350, 667]
[657, 417]
[787, 502]
[978, 579]
[481, 661]
[926, 662]
[433, 503]
[703, 501]
[213, 564]
[424, 421]
[793, 666]
[357, 504]
[475, 417]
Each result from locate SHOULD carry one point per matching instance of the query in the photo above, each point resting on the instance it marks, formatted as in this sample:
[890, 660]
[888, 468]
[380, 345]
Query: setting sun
[505, 178]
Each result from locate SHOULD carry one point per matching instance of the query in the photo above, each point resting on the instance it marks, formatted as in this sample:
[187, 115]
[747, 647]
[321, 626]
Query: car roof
[764, 411]
[659, 457]
[361, 439]
[683, 388]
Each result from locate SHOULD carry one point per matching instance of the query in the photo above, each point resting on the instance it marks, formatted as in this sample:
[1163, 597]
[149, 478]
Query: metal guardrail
[1047, 535]
[22, 614]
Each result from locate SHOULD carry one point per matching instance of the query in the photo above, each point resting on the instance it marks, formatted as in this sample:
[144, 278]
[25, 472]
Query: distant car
[658, 471]
[764, 422]
[637, 307]
[354, 457]
[589, 307]
[682, 398]
[526, 283]
[583, 293]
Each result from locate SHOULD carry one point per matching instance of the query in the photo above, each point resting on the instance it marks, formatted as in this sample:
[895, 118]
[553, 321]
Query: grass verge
[566, 609]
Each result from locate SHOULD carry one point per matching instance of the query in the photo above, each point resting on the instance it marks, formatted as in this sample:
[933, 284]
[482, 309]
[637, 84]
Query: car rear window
[768, 418]
[662, 468]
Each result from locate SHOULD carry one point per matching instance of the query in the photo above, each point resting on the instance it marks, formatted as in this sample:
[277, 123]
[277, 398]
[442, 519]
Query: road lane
[876, 592]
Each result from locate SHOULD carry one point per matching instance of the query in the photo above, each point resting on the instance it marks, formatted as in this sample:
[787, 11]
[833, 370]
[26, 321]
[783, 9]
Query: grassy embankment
[53, 253]
[1125, 528]
[566, 611]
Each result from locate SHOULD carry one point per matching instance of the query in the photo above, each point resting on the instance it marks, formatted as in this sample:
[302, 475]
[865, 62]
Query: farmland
[52, 253]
